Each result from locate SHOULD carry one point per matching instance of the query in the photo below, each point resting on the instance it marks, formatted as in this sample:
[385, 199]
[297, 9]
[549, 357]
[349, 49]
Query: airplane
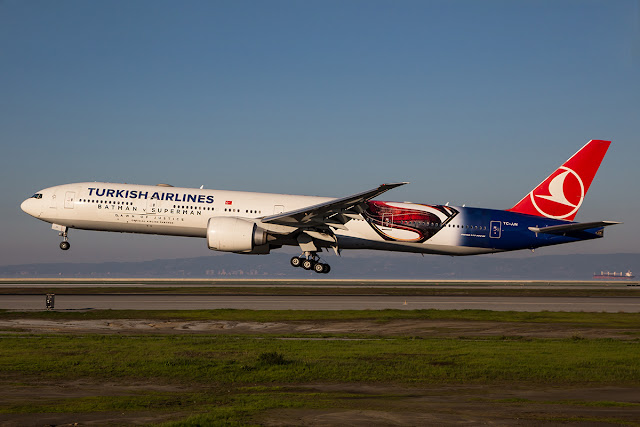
[256, 223]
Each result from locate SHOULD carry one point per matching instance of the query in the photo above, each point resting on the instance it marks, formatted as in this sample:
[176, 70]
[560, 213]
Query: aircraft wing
[567, 228]
[333, 213]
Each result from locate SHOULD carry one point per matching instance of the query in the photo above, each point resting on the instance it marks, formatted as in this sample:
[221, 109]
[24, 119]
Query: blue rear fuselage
[508, 231]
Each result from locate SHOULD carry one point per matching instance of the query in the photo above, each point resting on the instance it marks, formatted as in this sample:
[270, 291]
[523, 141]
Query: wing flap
[321, 236]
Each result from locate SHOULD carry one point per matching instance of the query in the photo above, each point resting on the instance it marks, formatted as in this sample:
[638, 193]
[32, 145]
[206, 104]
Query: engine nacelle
[231, 234]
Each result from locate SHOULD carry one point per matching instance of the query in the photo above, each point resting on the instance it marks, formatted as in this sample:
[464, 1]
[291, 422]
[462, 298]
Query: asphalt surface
[305, 302]
[326, 283]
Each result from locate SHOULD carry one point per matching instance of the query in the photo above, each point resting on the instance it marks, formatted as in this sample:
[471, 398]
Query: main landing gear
[310, 262]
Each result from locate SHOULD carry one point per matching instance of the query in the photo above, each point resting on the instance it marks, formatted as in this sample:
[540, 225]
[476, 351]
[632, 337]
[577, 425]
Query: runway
[307, 302]
[325, 283]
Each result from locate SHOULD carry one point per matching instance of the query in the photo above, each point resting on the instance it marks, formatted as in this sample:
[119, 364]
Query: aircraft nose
[29, 207]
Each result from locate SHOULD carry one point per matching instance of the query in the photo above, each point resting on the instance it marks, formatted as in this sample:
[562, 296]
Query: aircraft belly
[350, 242]
[157, 226]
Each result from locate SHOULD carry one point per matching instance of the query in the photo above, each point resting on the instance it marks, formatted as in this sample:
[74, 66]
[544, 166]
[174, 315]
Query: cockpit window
[37, 196]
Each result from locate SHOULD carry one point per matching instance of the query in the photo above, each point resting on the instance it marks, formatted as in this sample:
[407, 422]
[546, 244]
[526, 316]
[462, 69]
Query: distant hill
[376, 266]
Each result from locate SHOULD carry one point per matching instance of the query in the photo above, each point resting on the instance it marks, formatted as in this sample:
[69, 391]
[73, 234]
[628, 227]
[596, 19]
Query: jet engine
[231, 234]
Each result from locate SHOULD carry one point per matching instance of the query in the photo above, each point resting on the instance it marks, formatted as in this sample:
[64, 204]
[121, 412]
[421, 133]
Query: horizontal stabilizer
[566, 228]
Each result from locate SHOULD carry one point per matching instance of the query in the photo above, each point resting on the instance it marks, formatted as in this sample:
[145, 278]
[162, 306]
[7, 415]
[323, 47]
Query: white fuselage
[175, 211]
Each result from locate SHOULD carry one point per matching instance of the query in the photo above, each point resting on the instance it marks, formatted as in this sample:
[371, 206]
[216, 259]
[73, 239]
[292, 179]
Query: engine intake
[230, 234]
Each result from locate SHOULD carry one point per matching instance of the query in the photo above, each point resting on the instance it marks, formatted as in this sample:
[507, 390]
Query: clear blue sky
[473, 102]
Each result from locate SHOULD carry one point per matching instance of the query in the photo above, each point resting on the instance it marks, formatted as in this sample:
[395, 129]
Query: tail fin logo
[560, 196]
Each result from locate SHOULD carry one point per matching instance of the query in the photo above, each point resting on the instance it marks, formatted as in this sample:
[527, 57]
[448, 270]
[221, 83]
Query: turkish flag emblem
[560, 196]
[228, 202]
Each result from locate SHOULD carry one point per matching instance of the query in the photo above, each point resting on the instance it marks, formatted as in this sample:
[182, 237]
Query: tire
[65, 246]
[319, 267]
[296, 262]
[307, 264]
[327, 269]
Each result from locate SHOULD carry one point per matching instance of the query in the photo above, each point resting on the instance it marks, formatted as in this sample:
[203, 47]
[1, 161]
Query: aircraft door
[495, 229]
[69, 198]
[387, 219]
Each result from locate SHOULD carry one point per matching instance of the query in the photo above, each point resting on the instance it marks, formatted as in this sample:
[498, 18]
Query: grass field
[315, 378]
[239, 360]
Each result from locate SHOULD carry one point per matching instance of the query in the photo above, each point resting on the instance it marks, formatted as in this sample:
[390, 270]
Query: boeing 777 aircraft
[256, 223]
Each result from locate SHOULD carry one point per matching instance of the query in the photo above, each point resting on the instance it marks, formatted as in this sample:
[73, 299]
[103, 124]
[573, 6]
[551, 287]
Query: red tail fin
[561, 194]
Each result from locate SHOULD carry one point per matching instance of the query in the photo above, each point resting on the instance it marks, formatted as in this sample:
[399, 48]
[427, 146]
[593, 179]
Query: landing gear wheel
[296, 261]
[321, 268]
[65, 245]
[308, 264]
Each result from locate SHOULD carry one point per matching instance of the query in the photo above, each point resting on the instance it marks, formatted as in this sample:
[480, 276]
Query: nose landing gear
[64, 245]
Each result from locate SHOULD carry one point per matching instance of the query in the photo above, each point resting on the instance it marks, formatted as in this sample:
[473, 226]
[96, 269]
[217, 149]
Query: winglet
[561, 194]
[390, 186]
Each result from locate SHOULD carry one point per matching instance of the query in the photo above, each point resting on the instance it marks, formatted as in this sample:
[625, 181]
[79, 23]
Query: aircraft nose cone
[29, 207]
